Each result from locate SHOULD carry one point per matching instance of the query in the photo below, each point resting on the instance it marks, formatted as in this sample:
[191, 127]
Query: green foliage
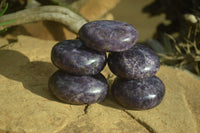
[8, 22]
[4, 10]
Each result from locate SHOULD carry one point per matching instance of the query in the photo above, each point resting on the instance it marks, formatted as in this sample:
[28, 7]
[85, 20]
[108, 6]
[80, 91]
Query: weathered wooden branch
[53, 13]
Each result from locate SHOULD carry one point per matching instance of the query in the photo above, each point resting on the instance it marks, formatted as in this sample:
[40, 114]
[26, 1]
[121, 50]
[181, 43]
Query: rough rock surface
[26, 104]
[97, 9]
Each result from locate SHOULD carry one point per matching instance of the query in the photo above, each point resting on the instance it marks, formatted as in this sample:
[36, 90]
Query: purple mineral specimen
[138, 94]
[137, 62]
[108, 35]
[78, 89]
[73, 57]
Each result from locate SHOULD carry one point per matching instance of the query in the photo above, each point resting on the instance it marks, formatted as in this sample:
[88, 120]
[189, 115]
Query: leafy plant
[8, 22]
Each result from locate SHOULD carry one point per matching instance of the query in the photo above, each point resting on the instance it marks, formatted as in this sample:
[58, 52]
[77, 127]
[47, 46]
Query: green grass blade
[4, 30]
[8, 22]
[4, 10]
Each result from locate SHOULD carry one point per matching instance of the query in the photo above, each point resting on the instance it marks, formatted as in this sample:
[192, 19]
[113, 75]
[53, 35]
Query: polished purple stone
[78, 89]
[73, 57]
[108, 35]
[138, 94]
[137, 62]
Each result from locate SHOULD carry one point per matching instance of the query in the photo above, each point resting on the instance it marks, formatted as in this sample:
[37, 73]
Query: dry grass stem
[186, 54]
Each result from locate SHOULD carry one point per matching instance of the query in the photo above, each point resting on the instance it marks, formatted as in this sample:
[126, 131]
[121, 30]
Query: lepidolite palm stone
[135, 63]
[78, 89]
[73, 57]
[138, 94]
[108, 35]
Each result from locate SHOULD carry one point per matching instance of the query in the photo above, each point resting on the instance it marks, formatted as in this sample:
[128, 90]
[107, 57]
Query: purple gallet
[78, 89]
[108, 35]
[135, 63]
[73, 57]
[138, 94]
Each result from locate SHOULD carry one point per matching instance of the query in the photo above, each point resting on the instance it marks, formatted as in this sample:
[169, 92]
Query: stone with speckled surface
[108, 35]
[138, 94]
[135, 63]
[73, 57]
[78, 89]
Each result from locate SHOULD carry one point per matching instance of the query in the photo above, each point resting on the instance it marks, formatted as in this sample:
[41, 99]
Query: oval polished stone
[78, 89]
[138, 94]
[73, 57]
[137, 62]
[108, 35]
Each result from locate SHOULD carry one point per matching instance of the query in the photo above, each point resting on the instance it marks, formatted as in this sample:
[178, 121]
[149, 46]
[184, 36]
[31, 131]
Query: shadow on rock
[34, 75]
[111, 102]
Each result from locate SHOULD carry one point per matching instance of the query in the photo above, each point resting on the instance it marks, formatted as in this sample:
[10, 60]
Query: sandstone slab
[97, 9]
[26, 104]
